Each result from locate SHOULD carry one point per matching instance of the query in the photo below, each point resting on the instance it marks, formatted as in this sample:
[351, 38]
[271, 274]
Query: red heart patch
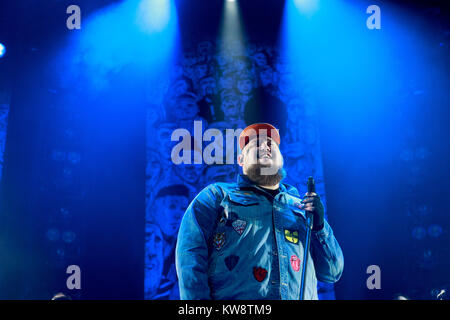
[259, 273]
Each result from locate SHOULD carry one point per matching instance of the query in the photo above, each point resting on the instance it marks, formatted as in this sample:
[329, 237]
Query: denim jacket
[238, 242]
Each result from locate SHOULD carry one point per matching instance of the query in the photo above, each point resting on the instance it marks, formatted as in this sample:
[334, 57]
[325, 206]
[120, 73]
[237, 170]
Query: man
[166, 213]
[245, 87]
[244, 240]
[209, 102]
[154, 259]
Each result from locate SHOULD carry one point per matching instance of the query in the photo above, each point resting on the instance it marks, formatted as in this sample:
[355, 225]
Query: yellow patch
[291, 236]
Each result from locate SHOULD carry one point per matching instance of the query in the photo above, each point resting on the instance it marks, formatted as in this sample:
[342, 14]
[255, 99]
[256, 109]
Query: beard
[254, 174]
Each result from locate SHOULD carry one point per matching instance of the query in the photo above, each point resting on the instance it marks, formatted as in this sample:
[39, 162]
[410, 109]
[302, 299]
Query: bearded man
[244, 240]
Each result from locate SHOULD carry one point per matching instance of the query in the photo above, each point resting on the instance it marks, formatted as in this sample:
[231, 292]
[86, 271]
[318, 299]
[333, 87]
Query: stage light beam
[154, 15]
[2, 50]
[307, 7]
[231, 30]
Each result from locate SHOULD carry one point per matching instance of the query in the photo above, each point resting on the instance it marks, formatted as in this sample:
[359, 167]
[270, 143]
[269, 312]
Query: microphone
[309, 224]
[311, 186]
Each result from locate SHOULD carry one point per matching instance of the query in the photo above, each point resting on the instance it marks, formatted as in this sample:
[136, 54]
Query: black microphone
[311, 185]
[309, 223]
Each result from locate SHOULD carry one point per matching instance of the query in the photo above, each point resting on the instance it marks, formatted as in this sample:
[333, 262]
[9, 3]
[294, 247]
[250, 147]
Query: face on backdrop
[226, 82]
[231, 107]
[154, 259]
[208, 86]
[168, 213]
[154, 244]
[190, 173]
[240, 65]
[163, 143]
[222, 60]
[153, 168]
[201, 70]
[260, 59]
[244, 86]
[186, 109]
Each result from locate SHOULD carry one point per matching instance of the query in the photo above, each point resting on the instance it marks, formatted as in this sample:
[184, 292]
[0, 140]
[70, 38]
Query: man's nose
[264, 146]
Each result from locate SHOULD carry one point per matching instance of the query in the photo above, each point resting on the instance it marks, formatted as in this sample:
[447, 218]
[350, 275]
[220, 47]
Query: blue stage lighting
[2, 50]
[307, 7]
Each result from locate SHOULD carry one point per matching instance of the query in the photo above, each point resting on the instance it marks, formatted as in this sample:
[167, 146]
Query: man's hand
[311, 203]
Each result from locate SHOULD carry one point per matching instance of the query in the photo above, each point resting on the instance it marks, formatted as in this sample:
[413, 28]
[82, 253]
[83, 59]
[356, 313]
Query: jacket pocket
[243, 200]
[241, 206]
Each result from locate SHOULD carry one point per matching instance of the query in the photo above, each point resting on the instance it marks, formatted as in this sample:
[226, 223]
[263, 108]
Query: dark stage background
[86, 117]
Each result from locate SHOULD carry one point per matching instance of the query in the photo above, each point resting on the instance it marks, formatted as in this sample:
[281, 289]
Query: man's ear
[240, 160]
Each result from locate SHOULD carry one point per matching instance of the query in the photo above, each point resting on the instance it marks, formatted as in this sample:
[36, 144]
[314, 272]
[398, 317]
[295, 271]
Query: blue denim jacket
[235, 243]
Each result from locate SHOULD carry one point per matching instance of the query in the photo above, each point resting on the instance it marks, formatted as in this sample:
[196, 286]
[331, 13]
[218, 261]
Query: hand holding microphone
[311, 203]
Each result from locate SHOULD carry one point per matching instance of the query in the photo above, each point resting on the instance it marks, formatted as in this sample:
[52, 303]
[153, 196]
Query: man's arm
[327, 255]
[191, 255]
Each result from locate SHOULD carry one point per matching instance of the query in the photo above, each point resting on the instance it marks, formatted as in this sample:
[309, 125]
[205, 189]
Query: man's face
[240, 65]
[187, 109]
[222, 59]
[154, 259]
[230, 107]
[208, 86]
[260, 59]
[261, 151]
[189, 172]
[226, 82]
[154, 246]
[201, 70]
[168, 213]
[245, 86]
[153, 168]
[162, 143]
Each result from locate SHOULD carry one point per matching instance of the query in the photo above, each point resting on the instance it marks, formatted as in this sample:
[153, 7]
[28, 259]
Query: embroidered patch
[291, 236]
[259, 273]
[219, 240]
[231, 261]
[295, 263]
[239, 226]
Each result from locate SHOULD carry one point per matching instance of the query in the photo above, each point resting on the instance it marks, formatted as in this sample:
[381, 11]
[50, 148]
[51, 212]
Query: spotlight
[2, 50]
